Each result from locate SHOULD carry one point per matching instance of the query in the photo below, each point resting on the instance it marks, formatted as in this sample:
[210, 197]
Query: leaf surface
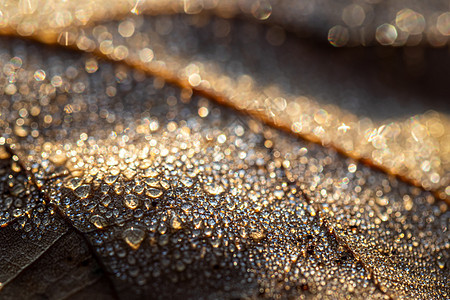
[117, 184]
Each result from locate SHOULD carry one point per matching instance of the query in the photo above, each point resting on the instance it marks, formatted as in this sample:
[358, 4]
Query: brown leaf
[117, 184]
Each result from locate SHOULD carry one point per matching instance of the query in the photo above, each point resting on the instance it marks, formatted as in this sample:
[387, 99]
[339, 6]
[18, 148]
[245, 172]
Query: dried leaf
[117, 184]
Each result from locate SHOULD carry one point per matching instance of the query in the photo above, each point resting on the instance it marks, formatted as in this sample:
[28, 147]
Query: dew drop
[82, 191]
[187, 182]
[164, 184]
[98, 221]
[257, 235]
[153, 193]
[261, 9]
[215, 243]
[278, 194]
[243, 232]
[441, 263]
[58, 159]
[106, 200]
[214, 189]
[152, 182]
[186, 207]
[162, 228]
[114, 171]
[17, 190]
[138, 189]
[163, 240]
[150, 173]
[131, 201]
[17, 212]
[129, 174]
[39, 75]
[74, 183]
[133, 237]
[111, 179]
[175, 222]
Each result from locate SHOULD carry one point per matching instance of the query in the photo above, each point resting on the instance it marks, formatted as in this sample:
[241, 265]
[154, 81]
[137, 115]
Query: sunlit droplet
[257, 235]
[153, 193]
[261, 9]
[131, 201]
[146, 55]
[39, 75]
[221, 138]
[98, 221]
[352, 168]
[214, 188]
[82, 191]
[175, 222]
[133, 237]
[91, 66]
[441, 263]
[126, 28]
[193, 6]
[279, 194]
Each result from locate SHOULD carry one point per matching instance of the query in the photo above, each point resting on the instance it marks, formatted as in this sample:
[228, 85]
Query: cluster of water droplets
[169, 196]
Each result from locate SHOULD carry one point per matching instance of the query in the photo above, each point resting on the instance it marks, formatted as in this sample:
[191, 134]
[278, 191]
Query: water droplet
[163, 240]
[82, 191]
[386, 34]
[150, 173]
[257, 235]
[187, 182]
[215, 242]
[153, 193]
[58, 159]
[162, 228]
[131, 201]
[261, 9]
[164, 184]
[17, 212]
[279, 194]
[114, 171]
[175, 222]
[152, 182]
[98, 221]
[382, 201]
[243, 232]
[214, 189]
[441, 263]
[186, 207]
[17, 190]
[74, 183]
[138, 189]
[352, 168]
[129, 174]
[106, 200]
[111, 179]
[39, 75]
[133, 237]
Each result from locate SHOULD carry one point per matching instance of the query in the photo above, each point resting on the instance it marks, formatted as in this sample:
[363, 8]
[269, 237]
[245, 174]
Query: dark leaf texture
[181, 171]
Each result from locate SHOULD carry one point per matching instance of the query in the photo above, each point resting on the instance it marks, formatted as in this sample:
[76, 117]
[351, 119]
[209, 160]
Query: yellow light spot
[386, 34]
